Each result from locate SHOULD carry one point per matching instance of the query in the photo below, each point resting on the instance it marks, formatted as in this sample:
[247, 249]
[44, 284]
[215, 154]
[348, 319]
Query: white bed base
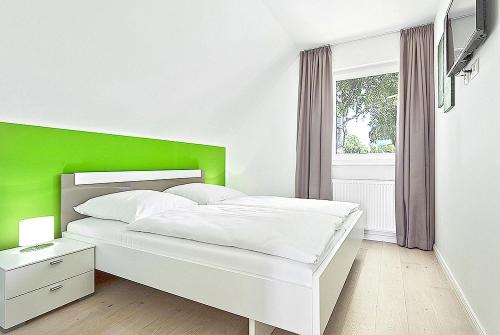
[290, 306]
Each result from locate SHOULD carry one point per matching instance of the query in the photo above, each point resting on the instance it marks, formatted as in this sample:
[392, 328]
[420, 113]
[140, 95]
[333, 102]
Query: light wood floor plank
[451, 316]
[431, 303]
[391, 309]
[422, 318]
[389, 291]
[361, 315]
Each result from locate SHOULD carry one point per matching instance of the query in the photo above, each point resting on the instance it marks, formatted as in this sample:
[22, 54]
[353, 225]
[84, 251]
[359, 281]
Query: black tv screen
[465, 31]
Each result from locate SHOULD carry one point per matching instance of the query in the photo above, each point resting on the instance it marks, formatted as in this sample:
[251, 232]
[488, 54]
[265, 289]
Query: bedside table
[33, 283]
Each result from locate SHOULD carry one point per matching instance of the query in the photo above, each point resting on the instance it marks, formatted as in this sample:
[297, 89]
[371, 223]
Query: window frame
[354, 72]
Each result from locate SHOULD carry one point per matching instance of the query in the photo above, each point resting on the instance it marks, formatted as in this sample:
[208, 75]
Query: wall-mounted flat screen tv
[465, 31]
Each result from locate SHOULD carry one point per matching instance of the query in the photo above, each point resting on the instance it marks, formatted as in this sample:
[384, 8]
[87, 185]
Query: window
[366, 112]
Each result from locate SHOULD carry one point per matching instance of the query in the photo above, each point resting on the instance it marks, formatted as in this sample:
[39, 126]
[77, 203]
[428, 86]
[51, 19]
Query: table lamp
[35, 232]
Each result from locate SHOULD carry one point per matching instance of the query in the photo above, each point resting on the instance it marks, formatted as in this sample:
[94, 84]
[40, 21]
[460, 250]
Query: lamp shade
[36, 230]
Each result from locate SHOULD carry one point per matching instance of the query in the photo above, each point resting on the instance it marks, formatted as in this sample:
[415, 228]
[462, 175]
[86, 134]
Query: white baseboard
[380, 235]
[476, 324]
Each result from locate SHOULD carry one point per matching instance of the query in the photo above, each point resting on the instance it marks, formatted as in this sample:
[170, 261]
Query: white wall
[468, 182]
[263, 135]
[359, 53]
[216, 72]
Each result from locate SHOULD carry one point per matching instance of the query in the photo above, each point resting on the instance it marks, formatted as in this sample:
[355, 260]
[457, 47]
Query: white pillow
[130, 206]
[204, 194]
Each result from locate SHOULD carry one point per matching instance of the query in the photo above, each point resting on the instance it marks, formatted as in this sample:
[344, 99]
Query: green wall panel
[32, 159]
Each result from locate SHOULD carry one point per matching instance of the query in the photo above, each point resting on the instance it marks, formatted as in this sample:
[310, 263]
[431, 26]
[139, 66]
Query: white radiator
[376, 198]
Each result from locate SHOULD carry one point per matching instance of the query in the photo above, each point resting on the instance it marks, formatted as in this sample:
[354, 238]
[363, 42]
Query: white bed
[251, 262]
[268, 290]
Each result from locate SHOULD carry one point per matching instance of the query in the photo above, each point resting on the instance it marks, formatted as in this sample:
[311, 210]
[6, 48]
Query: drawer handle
[57, 261]
[55, 288]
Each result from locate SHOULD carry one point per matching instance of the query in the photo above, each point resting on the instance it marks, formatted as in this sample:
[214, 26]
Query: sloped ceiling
[168, 69]
[310, 23]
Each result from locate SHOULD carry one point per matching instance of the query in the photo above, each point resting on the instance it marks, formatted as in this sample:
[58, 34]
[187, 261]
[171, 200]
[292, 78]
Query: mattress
[115, 232]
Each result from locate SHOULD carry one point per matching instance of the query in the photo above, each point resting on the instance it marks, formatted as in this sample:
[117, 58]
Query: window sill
[372, 162]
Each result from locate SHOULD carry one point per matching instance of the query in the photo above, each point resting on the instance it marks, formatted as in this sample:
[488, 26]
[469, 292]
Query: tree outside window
[366, 111]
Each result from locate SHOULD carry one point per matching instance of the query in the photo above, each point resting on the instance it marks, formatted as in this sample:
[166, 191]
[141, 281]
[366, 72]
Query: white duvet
[298, 236]
[336, 208]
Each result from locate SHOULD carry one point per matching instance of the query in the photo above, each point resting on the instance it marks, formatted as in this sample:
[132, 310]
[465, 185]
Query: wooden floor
[390, 291]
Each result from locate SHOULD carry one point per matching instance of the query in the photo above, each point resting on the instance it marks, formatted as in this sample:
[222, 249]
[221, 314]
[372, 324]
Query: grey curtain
[415, 147]
[313, 176]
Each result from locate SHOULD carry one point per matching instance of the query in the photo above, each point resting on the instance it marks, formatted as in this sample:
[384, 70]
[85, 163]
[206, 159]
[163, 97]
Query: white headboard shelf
[87, 178]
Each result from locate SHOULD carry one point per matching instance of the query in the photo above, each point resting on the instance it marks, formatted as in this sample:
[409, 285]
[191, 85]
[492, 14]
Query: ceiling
[314, 22]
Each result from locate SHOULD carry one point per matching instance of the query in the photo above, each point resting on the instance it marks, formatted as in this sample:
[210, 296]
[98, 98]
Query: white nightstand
[33, 283]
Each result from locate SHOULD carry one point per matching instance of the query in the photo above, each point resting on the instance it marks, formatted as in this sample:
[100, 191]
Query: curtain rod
[366, 37]
[381, 34]
[321, 46]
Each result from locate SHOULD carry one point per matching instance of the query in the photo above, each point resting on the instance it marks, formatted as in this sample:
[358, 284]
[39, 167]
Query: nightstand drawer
[30, 305]
[29, 278]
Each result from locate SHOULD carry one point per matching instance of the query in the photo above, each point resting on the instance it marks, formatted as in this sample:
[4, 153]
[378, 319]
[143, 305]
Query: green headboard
[32, 159]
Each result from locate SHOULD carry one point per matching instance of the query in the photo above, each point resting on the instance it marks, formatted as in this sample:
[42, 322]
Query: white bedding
[114, 232]
[299, 236]
[336, 208]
